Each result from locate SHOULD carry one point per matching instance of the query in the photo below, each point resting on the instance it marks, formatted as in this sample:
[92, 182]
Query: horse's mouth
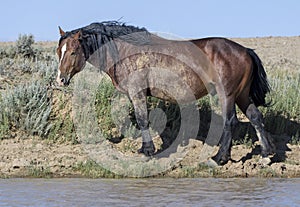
[66, 83]
[63, 81]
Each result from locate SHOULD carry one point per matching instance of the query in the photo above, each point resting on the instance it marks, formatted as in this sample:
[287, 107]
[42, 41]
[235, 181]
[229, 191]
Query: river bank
[33, 157]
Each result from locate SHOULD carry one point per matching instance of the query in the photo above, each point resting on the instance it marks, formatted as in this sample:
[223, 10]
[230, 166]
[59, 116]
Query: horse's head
[71, 57]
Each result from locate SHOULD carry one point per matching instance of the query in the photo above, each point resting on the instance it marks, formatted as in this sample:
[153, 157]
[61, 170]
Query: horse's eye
[73, 53]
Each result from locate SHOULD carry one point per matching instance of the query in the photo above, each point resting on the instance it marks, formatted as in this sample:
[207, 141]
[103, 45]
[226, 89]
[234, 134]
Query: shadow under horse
[141, 64]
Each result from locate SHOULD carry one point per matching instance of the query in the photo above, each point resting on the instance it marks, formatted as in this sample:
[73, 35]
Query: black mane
[99, 37]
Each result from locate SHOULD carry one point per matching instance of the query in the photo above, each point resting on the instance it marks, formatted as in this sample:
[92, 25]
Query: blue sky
[184, 18]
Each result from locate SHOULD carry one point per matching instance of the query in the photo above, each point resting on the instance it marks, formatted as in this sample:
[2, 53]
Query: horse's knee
[231, 122]
[254, 115]
[142, 122]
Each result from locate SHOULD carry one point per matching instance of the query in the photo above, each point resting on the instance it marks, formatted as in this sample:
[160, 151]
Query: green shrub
[283, 117]
[8, 52]
[103, 107]
[26, 107]
[24, 45]
[92, 169]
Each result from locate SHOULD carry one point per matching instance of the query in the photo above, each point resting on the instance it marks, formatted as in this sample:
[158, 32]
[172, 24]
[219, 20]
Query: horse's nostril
[63, 80]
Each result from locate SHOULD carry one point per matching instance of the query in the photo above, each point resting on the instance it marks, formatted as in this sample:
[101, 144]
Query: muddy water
[150, 192]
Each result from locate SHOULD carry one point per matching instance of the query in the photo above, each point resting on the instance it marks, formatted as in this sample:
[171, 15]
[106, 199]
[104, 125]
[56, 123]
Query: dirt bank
[33, 157]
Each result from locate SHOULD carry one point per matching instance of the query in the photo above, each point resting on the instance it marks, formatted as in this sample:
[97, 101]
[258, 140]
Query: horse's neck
[95, 61]
[102, 58]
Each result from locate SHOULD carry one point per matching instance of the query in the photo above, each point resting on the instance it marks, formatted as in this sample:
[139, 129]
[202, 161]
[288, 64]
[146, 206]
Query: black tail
[259, 86]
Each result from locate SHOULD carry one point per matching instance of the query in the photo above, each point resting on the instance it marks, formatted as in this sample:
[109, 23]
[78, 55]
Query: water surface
[150, 192]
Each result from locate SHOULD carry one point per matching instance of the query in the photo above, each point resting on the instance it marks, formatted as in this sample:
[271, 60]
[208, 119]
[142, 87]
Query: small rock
[211, 163]
[265, 161]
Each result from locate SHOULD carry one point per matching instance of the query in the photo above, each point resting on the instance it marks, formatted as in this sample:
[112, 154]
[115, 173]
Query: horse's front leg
[139, 102]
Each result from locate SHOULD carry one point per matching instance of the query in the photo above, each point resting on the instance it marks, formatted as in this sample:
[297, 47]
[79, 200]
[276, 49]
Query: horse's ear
[77, 35]
[61, 32]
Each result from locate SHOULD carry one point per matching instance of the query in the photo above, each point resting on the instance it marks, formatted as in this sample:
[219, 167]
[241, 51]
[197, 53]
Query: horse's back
[212, 46]
[231, 61]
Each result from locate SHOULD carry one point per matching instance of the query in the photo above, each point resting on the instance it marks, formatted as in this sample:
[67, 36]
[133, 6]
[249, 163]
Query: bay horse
[203, 66]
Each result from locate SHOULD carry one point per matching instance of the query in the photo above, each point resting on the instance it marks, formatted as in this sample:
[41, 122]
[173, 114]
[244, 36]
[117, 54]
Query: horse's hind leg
[230, 120]
[139, 102]
[256, 119]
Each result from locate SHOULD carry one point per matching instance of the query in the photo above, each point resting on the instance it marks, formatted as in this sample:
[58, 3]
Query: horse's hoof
[269, 152]
[221, 160]
[147, 149]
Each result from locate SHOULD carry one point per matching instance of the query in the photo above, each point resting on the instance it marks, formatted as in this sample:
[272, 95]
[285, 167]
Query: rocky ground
[30, 156]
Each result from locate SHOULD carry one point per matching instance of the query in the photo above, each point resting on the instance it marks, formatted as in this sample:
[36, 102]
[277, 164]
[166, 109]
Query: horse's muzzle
[63, 81]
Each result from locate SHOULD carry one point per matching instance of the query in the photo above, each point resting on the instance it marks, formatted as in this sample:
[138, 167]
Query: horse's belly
[180, 92]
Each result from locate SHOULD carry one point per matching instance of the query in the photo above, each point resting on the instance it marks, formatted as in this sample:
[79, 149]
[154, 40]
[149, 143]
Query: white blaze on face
[63, 50]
